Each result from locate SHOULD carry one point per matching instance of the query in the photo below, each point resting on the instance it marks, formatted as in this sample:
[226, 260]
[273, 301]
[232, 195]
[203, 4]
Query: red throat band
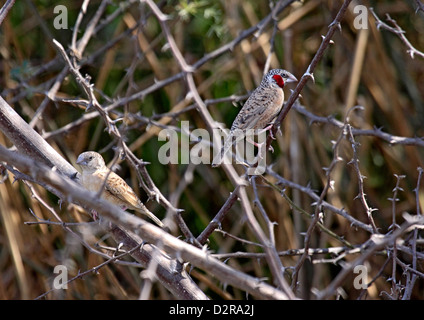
[279, 80]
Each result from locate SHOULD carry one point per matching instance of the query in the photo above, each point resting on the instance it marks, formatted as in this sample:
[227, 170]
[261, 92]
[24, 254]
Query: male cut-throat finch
[260, 110]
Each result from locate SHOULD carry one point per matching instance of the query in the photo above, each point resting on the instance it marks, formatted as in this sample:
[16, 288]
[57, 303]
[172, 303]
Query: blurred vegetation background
[129, 54]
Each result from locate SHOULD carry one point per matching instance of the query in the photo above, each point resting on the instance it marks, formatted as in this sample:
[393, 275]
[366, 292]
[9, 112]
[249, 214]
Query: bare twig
[412, 273]
[30, 142]
[377, 242]
[318, 214]
[393, 253]
[325, 205]
[335, 25]
[93, 270]
[216, 221]
[146, 230]
[5, 9]
[361, 194]
[376, 132]
[412, 51]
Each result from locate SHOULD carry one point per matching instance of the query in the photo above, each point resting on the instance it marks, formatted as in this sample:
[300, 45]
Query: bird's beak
[291, 78]
[80, 161]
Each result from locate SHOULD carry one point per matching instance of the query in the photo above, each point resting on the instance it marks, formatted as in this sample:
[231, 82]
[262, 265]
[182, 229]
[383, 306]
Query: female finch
[116, 190]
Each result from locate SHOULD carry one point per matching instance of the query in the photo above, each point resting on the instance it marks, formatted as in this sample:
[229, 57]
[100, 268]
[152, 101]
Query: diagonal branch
[335, 25]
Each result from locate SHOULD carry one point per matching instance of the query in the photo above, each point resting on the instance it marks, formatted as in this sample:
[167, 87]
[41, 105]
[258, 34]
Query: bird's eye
[90, 158]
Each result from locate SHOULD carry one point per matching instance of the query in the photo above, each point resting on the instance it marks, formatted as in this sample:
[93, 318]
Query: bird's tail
[146, 212]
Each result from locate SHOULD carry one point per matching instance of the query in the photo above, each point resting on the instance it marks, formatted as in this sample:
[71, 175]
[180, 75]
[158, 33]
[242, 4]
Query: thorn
[330, 42]
[397, 188]
[310, 75]
[116, 120]
[165, 47]
[400, 176]
[337, 24]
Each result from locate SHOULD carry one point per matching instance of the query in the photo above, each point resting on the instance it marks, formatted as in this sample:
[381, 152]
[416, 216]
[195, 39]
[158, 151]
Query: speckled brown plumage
[260, 109]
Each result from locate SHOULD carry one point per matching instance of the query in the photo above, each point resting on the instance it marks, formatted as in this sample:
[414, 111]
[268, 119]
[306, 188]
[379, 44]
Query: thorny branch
[376, 242]
[272, 256]
[335, 25]
[318, 214]
[146, 230]
[397, 31]
[355, 163]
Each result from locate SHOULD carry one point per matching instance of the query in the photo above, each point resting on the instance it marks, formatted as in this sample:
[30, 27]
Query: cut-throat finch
[97, 177]
[260, 110]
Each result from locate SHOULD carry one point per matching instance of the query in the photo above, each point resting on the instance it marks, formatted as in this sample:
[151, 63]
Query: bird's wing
[117, 187]
[119, 192]
[259, 110]
[252, 111]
